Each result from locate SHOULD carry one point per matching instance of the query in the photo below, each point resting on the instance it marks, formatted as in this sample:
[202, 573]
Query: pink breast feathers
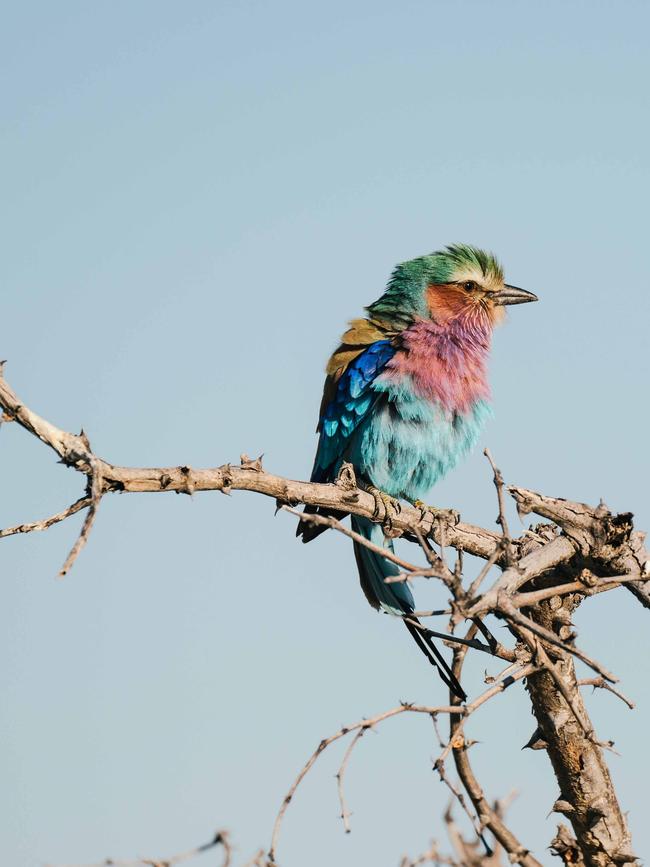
[446, 363]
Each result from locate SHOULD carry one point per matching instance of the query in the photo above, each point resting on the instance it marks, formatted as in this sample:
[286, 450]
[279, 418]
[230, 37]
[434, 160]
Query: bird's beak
[513, 295]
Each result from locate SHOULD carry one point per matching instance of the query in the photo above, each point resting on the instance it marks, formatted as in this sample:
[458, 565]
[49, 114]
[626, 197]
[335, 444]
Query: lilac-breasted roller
[406, 396]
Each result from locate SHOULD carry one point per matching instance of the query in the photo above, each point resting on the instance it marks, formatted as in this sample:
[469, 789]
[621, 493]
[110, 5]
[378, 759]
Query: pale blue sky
[196, 197]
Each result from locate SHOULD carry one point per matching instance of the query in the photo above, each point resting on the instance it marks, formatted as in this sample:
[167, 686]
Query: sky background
[196, 197]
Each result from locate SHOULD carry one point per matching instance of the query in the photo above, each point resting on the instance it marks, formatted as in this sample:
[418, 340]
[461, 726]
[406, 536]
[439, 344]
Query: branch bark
[587, 795]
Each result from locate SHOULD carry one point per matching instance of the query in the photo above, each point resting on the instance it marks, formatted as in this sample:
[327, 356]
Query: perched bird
[406, 397]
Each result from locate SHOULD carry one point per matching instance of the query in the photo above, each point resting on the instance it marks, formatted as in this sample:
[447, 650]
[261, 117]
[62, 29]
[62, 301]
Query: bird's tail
[396, 598]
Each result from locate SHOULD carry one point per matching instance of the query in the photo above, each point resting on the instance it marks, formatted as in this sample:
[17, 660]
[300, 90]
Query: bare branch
[345, 813]
[73, 451]
[342, 732]
[371, 722]
[546, 573]
[46, 523]
[599, 585]
[220, 839]
[601, 683]
[328, 521]
[511, 613]
[501, 520]
[488, 816]
[494, 650]
[602, 836]
[95, 497]
[472, 590]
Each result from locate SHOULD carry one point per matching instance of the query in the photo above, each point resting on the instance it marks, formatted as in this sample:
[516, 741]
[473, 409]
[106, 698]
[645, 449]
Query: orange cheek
[446, 301]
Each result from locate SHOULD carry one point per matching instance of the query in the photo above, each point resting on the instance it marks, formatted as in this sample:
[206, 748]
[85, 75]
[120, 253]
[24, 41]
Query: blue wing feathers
[352, 400]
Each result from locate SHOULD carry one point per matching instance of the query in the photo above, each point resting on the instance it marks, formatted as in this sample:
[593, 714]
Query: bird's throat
[445, 363]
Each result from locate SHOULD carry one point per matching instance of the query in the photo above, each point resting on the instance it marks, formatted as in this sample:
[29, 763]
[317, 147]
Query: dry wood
[546, 574]
[586, 787]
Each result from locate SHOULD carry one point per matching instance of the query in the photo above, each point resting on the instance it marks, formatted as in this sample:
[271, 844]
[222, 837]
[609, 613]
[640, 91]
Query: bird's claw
[387, 508]
[449, 516]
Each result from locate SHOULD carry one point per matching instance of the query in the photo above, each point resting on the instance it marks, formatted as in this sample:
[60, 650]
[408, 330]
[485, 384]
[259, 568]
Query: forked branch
[546, 573]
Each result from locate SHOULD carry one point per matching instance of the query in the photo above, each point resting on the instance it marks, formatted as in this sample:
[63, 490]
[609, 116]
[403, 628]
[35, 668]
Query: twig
[46, 523]
[365, 724]
[472, 590]
[437, 563]
[408, 576]
[488, 816]
[497, 650]
[453, 710]
[95, 497]
[72, 450]
[439, 766]
[220, 839]
[327, 521]
[601, 683]
[501, 520]
[543, 559]
[532, 597]
[345, 813]
[507, 671]
[510, 612]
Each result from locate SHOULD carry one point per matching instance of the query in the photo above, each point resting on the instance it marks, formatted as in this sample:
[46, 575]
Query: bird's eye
[469, 285]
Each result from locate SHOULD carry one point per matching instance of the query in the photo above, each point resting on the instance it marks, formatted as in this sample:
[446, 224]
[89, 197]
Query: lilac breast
[433, 405]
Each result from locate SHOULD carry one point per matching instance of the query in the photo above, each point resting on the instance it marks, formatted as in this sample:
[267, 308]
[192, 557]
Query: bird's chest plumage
[431, 407]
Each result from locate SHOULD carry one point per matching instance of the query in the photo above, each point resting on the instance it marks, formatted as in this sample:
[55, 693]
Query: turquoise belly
[408, 443]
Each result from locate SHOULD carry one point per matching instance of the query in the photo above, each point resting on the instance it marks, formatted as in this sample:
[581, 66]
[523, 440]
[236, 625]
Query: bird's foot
[387, 508]
[450, 516]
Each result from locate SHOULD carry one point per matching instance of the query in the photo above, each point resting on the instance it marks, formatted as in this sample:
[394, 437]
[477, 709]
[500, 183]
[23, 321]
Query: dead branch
[72, 449]
[46, 523]
[601, 683]
[488, 816]
[220, 839]
[345, 813]
[365, 724]
[585, 784]
[546, 574]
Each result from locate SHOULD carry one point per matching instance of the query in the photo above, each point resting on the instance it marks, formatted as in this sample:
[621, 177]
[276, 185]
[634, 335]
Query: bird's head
[459, 281]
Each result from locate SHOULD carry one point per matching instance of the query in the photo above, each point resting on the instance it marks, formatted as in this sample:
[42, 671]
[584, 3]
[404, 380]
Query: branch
[73, 450]
[46, 523]
[371, 722]
[501, 520]
[345, 813]
[104, 477]
[586, 788]
[601, 683]
[334, 524]
[549, 569]
[326, 742]
[511, 613]
[95, 484]
[220, 839]
[489, 817]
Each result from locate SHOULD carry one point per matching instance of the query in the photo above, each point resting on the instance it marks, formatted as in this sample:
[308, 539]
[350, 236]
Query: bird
[406, 396]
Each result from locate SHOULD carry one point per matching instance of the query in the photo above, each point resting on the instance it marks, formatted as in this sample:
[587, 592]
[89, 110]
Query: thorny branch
[220, 838]
[545, 574]
[488, 817]
[462, 711]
